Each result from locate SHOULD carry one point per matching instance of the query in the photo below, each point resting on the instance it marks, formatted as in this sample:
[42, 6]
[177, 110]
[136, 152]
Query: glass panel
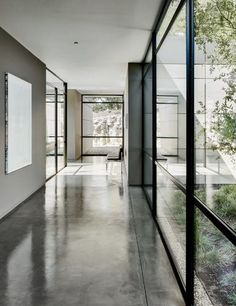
[167, 146]
[148, 58]
[102, 119]
[215, 117]
[169, 14]
[171, 214]
[171, 98]
[54, 82]
[60, 132]
[215, 281]
[50, 132]
[101, 146]
[148, 112]
[164, 128]
[148, 134]
[147, 177]
[167, 139]
[103, 99]
[148, 61]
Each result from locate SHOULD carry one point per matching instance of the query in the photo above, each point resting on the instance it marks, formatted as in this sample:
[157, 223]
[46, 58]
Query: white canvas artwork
[18, 123]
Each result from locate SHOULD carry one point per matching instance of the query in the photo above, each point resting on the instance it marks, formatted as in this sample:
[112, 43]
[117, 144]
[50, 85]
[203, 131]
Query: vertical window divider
[142, 124]
[190, 154]
[154, 117]
[56, 128]
[65, 122]
[82, 130]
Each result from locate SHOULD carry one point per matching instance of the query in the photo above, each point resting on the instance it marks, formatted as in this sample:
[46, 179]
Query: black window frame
[56, 93]
[192, 201]
[82, 119]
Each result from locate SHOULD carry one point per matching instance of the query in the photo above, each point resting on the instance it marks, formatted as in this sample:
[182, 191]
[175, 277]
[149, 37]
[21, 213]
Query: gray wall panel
[17, 186]
[134, 101]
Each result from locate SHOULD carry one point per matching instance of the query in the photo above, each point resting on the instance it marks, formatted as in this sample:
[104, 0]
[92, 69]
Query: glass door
[50, 132]
[56, 95]
[60, 130]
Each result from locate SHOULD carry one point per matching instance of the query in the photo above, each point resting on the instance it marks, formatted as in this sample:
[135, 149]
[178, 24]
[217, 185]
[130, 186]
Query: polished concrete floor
[85, 239]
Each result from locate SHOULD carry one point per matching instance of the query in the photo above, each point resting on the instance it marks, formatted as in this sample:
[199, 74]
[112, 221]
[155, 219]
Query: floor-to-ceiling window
[55, 124]
[193, 194]
[148, 162]
[215, 145]
[51, 131]
[61, 129]
[102, 124]
[171, 136]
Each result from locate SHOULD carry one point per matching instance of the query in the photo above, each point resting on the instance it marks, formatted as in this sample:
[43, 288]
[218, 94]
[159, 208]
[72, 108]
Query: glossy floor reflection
[85, 239]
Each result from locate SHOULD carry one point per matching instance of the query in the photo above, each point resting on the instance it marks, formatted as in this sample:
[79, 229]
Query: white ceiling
[110, 33]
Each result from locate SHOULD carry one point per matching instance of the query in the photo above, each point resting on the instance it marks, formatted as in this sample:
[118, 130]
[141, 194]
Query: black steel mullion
[56, 130]
[123, 133]
[169, 95]
[190, 156]
[154, 117]
[82, 123]
[65, 122]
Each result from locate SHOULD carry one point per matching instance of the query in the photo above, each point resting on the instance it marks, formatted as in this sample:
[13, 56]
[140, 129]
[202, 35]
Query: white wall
[74, 124]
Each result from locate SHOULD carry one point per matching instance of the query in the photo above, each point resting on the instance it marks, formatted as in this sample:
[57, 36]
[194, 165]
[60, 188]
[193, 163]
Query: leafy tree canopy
[215, 26]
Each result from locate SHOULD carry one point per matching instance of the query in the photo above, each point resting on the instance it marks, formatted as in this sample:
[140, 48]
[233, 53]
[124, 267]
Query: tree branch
[222, 14]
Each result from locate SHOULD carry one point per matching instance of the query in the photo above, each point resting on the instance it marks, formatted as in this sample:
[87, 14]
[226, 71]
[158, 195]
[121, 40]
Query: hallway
[85, 239]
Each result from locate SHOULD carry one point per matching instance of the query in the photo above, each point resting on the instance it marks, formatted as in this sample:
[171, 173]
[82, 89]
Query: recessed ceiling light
[76, 42]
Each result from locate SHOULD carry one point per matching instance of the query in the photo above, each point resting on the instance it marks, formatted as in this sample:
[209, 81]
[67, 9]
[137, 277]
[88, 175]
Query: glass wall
[60, 130]
[55, 124]
[171, 216]
[194, 193]
[102, 124]
[148, 162]
[215, 116]
[50, 131]
[171, 137]
[215, 134]
[215, 265]
[171, 98]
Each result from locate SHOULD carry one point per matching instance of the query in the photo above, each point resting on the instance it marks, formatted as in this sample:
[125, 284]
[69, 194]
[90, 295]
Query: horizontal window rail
[225, 229]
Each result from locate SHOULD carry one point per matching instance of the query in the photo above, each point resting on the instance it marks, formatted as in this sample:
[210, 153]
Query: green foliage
[228, 283]
[215, 23]
[225, 127]
[99, 107]
[232, 299]
[103, 99]
[208, 245]
[179, 207]
[215, 34]
[229, 280]
[225, 203]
